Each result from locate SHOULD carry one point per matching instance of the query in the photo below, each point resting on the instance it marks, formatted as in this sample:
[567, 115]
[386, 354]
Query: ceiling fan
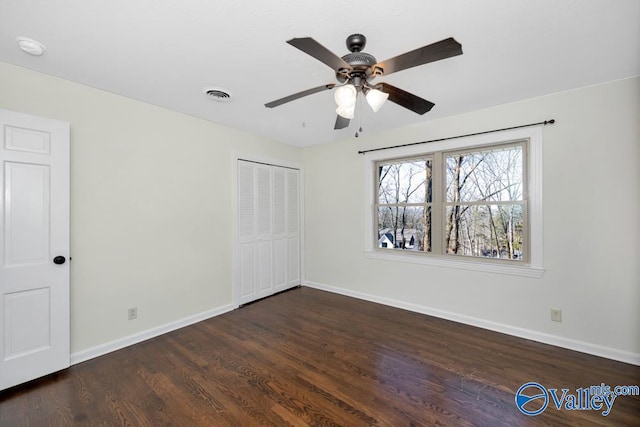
[355, 71]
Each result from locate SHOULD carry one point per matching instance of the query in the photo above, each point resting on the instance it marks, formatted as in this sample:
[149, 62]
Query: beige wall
[150, 205]
[591, 200]
[151, 216]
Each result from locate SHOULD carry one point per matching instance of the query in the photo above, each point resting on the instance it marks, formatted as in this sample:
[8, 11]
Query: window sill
[498, 268]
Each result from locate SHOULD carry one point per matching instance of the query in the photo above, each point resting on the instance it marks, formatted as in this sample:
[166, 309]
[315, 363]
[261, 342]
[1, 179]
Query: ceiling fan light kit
[357, 68]
[376, 99]
[346, 112]
[345, 96]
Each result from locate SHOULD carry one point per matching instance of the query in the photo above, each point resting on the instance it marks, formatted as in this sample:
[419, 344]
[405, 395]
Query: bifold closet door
[293, 228]
[279, 239]
[268, 230]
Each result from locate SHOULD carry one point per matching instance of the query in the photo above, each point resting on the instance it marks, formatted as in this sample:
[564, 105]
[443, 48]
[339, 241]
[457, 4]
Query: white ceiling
[165, 52]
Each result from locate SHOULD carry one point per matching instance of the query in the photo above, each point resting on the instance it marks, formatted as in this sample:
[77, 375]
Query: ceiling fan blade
[405, 99]
[341, 122]
[298, 95]
[434, 52]
[321, 53]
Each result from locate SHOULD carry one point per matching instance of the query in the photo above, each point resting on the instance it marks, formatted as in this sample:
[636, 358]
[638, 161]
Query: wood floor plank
[307, 357]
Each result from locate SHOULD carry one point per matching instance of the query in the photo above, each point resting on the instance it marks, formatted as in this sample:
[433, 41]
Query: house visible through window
[404, 204]
[468, 202]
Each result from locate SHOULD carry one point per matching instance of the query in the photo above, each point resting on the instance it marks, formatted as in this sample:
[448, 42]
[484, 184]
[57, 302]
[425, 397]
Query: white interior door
[34, 247]
[279, 236]
[264, 217]
[247, 238]
[293, 228]
[268, 256]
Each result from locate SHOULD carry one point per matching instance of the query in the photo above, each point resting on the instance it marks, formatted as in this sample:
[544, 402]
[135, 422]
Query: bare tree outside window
[404, 205]
[485, 203]
[481, 213]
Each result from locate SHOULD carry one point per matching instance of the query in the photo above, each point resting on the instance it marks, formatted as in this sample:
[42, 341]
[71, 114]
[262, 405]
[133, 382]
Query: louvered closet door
[265, 236]
[268, 230]
[279, 229]
[247, 237]
[293, 228]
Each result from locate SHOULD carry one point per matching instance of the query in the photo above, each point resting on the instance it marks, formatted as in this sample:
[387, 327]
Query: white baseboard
[581, 346]
[90, 353]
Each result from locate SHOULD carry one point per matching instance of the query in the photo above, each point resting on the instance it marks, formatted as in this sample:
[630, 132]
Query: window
[469, 203]
[404, 204]
[485, 208]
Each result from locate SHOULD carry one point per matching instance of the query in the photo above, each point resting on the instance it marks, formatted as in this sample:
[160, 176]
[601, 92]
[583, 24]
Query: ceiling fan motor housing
[362, 63]
[360, 60]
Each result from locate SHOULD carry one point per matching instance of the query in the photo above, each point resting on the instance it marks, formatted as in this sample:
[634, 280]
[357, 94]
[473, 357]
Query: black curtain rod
[546, 122]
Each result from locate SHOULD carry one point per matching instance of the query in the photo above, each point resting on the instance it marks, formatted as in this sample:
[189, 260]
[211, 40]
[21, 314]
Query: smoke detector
[218, 94]
[30, 46]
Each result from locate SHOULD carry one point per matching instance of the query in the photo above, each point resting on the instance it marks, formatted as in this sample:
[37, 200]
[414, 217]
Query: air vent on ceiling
[219, 94]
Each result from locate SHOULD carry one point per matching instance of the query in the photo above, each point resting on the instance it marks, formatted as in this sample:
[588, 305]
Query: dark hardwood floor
[307, 357]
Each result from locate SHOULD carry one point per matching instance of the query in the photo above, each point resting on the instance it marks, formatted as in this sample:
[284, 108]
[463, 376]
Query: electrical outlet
[556, 315]
[133, 313]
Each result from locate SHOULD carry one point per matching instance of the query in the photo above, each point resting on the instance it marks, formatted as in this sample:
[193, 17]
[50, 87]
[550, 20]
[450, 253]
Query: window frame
[377, 204]
[524, 202]
[531, 266]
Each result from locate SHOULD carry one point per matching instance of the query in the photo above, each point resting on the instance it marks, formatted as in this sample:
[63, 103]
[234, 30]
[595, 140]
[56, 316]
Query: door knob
[59, 260]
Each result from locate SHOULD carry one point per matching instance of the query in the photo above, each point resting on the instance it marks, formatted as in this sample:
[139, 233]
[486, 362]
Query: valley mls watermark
[533, 398]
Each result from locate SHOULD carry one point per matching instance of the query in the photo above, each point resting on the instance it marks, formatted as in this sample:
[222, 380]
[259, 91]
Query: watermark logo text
[533, 398]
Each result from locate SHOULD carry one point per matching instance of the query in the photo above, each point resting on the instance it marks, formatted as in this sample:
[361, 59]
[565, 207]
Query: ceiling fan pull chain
[359, 131]
[359, 119]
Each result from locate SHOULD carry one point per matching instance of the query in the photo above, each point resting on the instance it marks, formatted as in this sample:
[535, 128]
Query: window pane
[492, 175]
[405, 182]
[404, 227]
[495, 231]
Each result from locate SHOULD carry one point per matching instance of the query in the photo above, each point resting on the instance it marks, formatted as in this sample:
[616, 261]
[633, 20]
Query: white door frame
[235, 156]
